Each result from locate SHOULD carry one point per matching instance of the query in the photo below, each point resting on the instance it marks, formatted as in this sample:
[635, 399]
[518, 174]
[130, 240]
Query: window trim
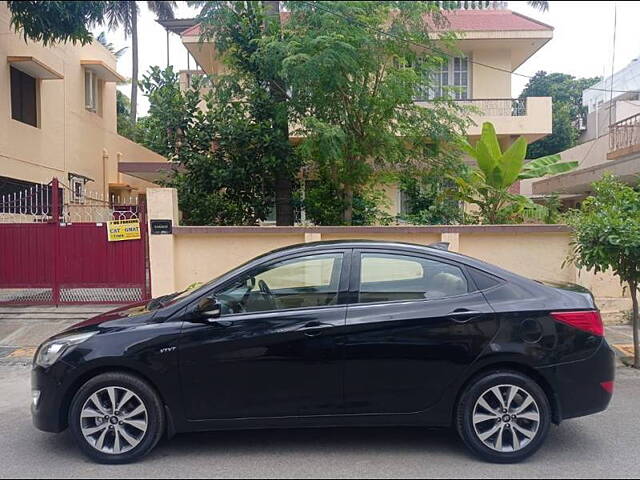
[428, 94]
[343, 282]
[356, 262]
[95, 92]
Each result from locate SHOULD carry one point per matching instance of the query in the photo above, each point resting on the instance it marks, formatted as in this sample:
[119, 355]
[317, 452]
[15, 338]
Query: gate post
[55, 257]
[162, 204]
[55, 200]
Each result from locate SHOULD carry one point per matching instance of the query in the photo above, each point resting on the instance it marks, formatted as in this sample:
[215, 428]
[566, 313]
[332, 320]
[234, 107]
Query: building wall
[69, 138]
[489, 82]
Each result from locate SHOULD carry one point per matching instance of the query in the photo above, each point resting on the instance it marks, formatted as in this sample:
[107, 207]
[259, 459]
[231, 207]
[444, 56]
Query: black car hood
[135, 313]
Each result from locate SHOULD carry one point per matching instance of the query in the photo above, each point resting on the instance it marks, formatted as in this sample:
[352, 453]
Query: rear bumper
[578, 385]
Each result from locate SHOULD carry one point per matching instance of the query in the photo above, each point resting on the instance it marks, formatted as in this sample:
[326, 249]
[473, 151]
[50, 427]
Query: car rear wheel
[503, 416]
[116, 418]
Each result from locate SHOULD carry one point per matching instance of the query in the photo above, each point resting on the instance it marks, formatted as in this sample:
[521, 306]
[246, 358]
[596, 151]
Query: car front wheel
[116, 418]
[503, 416]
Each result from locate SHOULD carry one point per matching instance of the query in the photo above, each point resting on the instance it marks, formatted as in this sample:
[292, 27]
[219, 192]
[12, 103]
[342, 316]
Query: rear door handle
[462, 315]
[314, 328]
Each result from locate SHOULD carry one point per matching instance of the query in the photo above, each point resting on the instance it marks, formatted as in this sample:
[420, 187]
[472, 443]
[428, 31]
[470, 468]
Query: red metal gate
[54, 248]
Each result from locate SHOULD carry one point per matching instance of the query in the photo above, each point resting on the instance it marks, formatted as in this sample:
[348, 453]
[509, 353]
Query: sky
[582, 44]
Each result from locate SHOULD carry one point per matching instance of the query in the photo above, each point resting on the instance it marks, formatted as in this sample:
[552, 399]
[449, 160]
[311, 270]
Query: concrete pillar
[162, 204]
[453, 239]
[312, 237]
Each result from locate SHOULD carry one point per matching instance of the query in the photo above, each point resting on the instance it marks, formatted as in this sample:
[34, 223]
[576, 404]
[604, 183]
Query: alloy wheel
[114, 420]
[506, 418]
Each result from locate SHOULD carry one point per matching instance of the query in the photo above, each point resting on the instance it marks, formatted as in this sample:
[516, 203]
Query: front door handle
[462, 315]
[314, 328]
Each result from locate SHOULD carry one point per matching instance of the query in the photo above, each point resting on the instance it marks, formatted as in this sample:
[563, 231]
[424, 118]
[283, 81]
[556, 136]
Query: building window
[24, 102]
[92, 92]
[450, 80]
[77, 184]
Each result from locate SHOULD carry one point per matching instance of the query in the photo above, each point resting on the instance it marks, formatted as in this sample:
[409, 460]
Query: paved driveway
[604, 445]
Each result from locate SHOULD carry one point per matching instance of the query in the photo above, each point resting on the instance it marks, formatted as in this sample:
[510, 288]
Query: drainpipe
[105, 180]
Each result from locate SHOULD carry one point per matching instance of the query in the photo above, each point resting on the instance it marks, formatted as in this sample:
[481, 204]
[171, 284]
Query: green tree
[353, 91]
[220, 149]
[431, 192]
[247, 35]
[606, 231]
[50, 22]
[488, 185]
[566, 93]
[124, 14]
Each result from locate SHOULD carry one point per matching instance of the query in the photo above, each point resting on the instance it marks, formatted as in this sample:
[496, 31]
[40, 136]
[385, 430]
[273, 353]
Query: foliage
[606, 231]
[566, 93]
[431, 192]
[248, 37]
[220, 149]
[123, 106]
[488, 185]
[322, 206]
[353, 92]
[52, 21]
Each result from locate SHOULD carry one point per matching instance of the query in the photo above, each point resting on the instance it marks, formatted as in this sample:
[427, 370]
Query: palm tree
[124, 14]
[539, 5]
[102, 39]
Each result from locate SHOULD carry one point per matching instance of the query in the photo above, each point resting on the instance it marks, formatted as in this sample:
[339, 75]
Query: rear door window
[387, 277]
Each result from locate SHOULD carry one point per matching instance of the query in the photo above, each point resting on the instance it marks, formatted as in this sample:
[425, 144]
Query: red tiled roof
[491, 20]
[463, 21]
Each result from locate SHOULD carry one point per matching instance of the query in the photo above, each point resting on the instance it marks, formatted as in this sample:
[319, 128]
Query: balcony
[530, 117]
[624, 138]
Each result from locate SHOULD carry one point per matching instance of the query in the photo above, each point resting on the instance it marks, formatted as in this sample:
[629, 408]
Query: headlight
[50, 351]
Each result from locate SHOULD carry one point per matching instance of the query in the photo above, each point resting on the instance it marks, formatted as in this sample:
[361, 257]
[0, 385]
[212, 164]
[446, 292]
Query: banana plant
[488, 184]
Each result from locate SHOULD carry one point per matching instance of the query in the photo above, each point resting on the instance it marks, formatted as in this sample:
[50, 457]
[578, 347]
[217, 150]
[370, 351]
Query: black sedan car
[353, 333]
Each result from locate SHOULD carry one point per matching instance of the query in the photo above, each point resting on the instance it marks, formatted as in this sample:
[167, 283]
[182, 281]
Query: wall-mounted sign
[118, 230]
[161, 227]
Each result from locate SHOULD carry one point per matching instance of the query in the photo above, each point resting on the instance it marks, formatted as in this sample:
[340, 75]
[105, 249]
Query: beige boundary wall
[198, 254]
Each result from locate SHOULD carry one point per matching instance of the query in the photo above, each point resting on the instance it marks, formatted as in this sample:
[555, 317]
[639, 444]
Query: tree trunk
[283, 178]
[634, 323]
[134, 66]
[347, 215]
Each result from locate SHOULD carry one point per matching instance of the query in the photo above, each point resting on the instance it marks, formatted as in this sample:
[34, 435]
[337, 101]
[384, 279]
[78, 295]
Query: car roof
[381, 244]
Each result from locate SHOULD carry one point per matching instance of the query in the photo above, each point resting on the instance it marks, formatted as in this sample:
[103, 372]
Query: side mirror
[208, 308]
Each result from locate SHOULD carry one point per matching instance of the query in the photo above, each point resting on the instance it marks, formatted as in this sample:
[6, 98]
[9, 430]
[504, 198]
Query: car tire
[505, 430]
[116, 418]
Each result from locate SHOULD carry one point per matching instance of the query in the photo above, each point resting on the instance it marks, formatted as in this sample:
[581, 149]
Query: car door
[276, 349]
[414, 325]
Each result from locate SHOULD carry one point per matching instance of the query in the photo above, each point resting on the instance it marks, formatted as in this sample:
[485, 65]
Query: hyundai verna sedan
[354, 333]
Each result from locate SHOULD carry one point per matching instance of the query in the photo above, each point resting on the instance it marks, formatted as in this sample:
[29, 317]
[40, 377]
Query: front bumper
[49, 414]
[578, 385]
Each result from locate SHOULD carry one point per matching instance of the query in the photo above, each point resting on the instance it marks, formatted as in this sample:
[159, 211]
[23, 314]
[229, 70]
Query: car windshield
[170, 299]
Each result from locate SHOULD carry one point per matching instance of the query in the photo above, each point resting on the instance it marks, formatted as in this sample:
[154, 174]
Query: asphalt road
[600, 446]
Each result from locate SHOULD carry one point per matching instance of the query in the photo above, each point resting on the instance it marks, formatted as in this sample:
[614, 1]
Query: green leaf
[486, 162]
[490, 139]
[512, 161]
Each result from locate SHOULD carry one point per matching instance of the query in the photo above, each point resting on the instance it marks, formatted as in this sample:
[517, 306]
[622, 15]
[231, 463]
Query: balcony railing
[495, 107]
[624, 136]
[498, 107]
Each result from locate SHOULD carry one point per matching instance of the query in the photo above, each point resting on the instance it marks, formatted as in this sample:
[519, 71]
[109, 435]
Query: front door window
[302, 282]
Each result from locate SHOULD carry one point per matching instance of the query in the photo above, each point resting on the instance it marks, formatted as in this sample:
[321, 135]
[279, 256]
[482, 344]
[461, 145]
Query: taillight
[587, 321]
[607, 386]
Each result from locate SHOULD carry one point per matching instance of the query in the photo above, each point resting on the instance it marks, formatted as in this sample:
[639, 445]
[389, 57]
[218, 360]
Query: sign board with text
[118, 230]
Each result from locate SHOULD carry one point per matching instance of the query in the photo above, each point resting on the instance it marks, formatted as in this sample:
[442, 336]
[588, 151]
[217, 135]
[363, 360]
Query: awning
[34, 67]
[149, 171]
[103, 71]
